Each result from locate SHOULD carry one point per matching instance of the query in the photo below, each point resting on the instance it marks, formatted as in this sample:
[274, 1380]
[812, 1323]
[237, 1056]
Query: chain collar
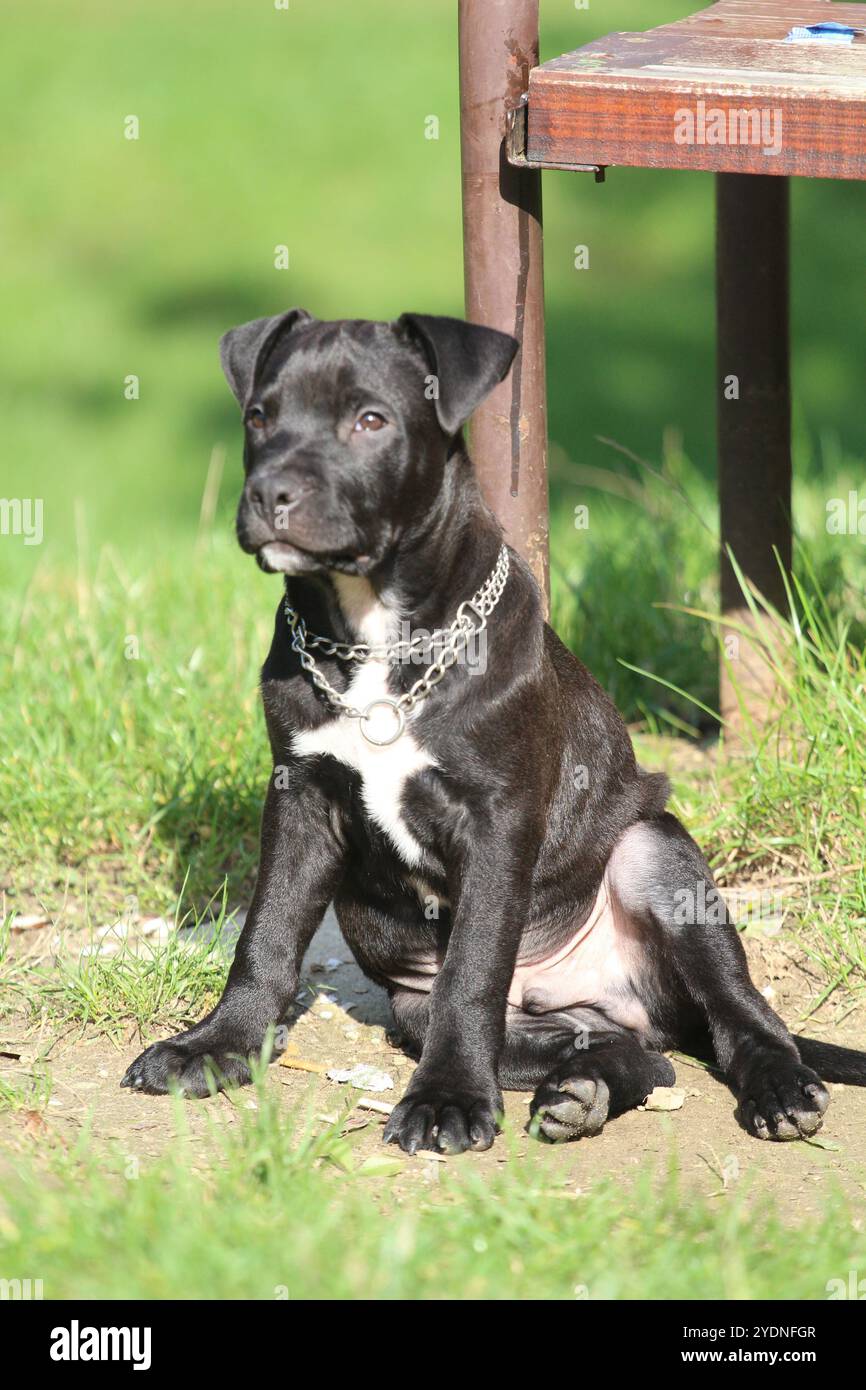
[471, 619]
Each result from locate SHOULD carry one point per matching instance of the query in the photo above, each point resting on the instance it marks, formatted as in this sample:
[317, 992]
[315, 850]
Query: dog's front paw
[784, 1100]
[194, 1067]
[445, 1119]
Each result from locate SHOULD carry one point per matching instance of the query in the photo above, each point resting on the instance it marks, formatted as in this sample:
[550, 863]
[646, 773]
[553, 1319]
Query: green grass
[296, 1221]
[629, 577]
[796, 809]
[150, 757]
[31, 1093]
[158, 988]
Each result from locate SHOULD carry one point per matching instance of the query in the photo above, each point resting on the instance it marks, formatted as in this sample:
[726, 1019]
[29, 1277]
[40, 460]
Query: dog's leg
[454, 1100]
[662, 882]
[299, 869]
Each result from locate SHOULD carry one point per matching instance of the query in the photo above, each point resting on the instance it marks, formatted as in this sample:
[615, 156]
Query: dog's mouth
[279, 557]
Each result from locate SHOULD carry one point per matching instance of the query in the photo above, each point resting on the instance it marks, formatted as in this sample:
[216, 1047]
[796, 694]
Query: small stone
[363, 1077]
[159, 927]
[30, 921]
[665, 1098]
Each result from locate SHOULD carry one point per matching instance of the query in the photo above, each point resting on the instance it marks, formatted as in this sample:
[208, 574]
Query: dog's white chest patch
[384, 771]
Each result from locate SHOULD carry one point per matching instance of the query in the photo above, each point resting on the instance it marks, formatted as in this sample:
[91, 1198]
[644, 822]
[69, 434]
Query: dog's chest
[384, 771]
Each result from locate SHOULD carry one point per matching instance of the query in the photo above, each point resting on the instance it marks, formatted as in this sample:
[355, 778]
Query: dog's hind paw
[784, 1101]
[575, 1107]
[192, 1068]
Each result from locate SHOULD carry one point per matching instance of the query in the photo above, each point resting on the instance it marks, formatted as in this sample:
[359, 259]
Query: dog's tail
[833, 1063]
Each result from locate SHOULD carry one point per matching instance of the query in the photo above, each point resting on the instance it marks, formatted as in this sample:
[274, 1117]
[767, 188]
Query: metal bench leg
[503, 268]
[754, 411]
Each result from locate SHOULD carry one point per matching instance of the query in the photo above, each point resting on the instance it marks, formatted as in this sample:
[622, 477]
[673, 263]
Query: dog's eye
[370, 420]
[256, 418]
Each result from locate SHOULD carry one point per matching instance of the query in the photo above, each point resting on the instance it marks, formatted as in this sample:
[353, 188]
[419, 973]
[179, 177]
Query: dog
[497, 859]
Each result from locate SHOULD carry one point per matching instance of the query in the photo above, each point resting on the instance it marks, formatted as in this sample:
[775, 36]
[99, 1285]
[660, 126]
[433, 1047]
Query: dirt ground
[345, 1023]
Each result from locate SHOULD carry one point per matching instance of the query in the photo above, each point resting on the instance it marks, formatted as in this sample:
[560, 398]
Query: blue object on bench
[828, 32]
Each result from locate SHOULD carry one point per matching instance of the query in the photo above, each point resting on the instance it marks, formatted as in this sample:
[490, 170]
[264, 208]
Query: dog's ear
[244, 349]
[467, 360]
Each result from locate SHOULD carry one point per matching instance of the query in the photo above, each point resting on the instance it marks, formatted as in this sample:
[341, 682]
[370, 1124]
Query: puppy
[456, 782]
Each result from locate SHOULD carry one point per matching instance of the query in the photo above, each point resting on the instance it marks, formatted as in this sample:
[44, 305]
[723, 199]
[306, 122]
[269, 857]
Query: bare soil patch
[346, 1023]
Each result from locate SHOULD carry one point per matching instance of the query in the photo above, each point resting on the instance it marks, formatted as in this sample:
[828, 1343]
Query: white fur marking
[384, 771]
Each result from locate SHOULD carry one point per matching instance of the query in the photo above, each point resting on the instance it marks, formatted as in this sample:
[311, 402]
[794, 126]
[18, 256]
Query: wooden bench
[617, 100]
[725, 91]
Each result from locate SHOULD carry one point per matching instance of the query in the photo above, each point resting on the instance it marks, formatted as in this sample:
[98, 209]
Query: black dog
[498, 860]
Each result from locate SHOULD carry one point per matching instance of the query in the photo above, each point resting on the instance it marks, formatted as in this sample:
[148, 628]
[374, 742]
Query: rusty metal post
[503, 269]
[754, 412]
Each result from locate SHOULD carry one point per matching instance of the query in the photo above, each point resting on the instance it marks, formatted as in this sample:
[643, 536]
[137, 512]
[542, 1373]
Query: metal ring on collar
[400, 722]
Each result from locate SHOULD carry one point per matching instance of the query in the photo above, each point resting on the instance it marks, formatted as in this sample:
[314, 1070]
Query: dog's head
[348, 428]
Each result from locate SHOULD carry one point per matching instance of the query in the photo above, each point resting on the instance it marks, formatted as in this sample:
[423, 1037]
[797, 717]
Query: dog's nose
[271, 495]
